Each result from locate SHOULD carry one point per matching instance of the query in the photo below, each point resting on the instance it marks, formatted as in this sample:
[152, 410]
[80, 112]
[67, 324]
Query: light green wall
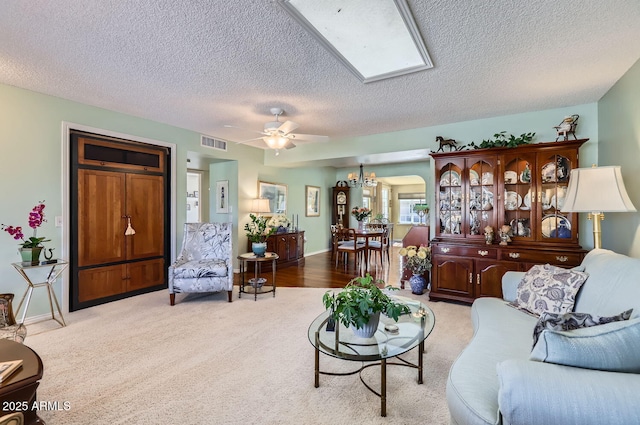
[619, 134]
[32, 167]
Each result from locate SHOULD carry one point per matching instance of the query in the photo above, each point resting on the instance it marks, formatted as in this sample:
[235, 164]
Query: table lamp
[260, 206]
[597, 190]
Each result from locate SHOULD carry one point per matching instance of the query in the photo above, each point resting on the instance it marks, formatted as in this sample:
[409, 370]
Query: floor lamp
[595, 191]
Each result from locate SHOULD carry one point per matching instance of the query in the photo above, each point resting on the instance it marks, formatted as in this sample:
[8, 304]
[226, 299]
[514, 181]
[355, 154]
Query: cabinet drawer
[542, 257]
[466, 251]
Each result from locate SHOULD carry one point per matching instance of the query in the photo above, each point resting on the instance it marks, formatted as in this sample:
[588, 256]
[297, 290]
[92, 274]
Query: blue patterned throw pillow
[570, 321]
[548, 288]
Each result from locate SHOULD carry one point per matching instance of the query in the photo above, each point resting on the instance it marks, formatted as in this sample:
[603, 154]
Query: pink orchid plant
[36, 218]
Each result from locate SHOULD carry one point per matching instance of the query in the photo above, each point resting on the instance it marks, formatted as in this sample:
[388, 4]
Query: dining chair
[345, 243]
[380, 246]
[336, 240]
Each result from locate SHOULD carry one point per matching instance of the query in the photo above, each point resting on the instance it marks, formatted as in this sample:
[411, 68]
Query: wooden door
[145, 207]
[144, 274]
[101, 205]
[282, 247]
[101, 282]
[489, 277]
[452, 276]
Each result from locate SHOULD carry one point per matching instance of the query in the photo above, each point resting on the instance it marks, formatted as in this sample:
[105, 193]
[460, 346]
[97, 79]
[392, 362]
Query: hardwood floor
[320, 271]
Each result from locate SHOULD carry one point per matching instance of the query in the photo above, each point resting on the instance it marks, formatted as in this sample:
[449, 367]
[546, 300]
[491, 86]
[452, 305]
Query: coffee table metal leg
[317, 365]
[420, 360]
[383, 388]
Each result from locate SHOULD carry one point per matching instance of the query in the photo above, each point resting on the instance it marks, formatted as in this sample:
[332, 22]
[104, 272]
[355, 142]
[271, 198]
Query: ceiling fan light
[281, 142]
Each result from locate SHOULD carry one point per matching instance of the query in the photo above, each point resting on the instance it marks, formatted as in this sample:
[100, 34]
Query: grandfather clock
[340, 210]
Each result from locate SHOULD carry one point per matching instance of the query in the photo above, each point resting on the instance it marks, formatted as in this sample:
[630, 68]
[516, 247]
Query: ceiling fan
[278, 135]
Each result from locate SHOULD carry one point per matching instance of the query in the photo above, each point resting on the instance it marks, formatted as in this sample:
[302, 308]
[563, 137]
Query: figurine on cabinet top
[442, 142]
[566, 127]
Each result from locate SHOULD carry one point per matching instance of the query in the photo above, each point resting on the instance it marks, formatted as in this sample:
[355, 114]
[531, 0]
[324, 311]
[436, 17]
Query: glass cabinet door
[520, 195]
[553, 180]
[480, 201]
[450, 199]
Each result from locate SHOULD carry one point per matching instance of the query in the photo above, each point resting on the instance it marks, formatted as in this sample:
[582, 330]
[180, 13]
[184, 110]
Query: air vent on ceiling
[210, 142]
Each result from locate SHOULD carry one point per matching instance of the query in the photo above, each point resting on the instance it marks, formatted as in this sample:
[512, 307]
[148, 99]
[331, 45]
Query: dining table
[367, 234]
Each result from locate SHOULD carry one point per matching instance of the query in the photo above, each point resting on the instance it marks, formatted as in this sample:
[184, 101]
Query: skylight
[374, 39]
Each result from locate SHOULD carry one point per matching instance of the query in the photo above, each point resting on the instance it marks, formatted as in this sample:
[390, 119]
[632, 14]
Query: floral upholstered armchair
[9, 329]
[205, 263]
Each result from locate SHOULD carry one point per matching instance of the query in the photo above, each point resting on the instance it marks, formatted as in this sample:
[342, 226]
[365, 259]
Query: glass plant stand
[25, 269]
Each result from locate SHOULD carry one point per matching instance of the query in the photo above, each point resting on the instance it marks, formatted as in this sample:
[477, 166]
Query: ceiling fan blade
[248, 141]
[288, 127]
[245, 129]
[289, 145]
[309, 137]
[258, 143]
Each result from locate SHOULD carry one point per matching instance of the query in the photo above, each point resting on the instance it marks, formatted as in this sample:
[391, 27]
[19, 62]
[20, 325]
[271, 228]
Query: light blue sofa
[493, 381]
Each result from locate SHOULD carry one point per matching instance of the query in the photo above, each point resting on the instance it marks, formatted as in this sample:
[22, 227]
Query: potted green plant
[257, 232]
[360, 303]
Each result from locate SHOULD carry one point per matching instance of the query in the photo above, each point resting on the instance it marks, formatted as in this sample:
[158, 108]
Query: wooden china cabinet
[523, 187]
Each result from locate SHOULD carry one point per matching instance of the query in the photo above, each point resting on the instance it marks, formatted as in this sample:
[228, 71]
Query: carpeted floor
[207, 361]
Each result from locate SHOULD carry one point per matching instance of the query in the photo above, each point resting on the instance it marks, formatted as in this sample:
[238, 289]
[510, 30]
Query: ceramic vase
[369, 329]
[361, 226]
[418, 283]
[30, 255]
[259, 248]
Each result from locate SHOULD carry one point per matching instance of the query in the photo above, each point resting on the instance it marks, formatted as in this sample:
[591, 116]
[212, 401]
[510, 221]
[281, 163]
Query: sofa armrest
[510, 281]
[543, 393]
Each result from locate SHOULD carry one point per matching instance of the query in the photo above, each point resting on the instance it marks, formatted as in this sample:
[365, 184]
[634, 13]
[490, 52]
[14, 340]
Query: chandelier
[362, 179]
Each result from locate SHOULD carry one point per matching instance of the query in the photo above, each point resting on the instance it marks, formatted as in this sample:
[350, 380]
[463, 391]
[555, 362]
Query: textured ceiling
[201, 64]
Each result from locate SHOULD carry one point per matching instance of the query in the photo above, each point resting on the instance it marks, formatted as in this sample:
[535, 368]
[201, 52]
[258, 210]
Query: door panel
[452, 276]
[143, 274]
[489, 277]
[101, 282]
[145, 205]
[100, 224]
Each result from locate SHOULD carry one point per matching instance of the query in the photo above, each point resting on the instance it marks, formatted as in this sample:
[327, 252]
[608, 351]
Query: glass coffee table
[390, 341]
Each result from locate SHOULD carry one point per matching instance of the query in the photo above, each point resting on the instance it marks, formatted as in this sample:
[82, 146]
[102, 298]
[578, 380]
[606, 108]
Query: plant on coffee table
[360, 299]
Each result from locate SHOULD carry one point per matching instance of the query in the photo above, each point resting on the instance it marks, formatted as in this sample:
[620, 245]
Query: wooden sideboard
[289, 246]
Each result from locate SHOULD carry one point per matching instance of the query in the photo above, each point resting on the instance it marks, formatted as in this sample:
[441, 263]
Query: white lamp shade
[260, 206]
[597, 189]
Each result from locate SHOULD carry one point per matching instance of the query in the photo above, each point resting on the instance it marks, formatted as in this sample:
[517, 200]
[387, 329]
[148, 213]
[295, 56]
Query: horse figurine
[448, 142]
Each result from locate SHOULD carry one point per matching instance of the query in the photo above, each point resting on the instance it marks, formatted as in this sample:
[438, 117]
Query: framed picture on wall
[222, 196]
[313, 201]
[277, 196]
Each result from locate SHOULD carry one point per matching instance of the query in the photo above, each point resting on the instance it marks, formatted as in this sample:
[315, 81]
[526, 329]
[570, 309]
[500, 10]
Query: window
[406, 202]
[385, 207]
